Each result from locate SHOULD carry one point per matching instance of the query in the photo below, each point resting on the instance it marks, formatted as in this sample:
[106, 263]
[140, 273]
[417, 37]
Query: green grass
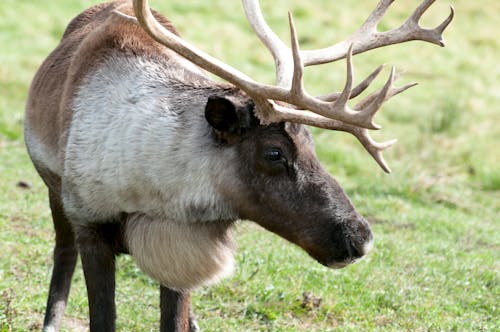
[436, 262]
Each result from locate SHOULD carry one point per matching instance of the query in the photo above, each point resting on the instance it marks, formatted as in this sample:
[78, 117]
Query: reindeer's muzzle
[348, 241]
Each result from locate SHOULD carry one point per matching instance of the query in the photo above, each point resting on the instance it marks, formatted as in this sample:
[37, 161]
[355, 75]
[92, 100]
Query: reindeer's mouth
[341, 265]
[338, 263]
[353, 254]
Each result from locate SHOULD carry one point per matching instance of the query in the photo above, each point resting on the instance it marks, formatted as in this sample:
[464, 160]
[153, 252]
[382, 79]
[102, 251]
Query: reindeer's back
[90, 38]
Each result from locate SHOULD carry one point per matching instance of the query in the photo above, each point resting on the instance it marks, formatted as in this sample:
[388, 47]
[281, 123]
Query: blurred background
[435, 265]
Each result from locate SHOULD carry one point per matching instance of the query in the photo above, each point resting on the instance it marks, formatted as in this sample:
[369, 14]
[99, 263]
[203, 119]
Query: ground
[435, 265]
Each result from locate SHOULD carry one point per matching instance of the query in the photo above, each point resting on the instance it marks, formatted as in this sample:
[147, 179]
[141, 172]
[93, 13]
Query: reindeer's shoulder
[100, 33]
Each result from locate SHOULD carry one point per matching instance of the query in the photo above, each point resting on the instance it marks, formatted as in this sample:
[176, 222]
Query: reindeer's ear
[230, 115]
[221, 114]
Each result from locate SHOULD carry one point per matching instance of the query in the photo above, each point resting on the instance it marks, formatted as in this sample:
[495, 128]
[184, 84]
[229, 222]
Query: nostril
[355, 250]
[352, 250]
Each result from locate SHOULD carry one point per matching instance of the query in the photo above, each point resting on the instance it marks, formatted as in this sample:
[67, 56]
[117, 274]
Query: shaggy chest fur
[180, 256]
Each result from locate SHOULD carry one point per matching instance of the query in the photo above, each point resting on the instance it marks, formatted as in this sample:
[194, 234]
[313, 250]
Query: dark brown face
[283, 187]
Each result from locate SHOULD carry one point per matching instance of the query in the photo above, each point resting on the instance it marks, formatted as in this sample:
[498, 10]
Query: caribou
[143, 153]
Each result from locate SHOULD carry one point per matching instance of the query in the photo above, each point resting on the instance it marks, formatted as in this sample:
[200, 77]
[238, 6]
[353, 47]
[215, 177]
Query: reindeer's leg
[65, 255]
[97, 250]
[176, 312]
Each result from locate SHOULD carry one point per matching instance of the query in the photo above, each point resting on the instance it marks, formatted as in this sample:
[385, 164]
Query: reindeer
[144, 154]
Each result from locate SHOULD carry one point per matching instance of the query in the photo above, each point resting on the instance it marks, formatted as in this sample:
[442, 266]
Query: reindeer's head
[277, 179]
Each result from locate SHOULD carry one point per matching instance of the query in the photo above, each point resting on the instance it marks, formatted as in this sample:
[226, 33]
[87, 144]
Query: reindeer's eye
[273, 154]
[272, 161]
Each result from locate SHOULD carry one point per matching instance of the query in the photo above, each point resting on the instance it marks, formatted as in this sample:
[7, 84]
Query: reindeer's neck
[139, 142]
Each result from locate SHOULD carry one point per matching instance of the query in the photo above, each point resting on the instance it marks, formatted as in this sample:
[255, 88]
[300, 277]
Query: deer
[143, 153]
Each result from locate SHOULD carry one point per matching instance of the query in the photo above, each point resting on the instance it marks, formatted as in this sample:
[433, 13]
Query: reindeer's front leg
[65, 256]
[176, 312]
[98, 261]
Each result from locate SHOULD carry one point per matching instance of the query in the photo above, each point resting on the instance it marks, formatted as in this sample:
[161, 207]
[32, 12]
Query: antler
[330, 111]
[365, 38]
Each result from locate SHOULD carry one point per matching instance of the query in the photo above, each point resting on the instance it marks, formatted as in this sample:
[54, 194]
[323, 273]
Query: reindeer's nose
[352, 250]
[351, 243]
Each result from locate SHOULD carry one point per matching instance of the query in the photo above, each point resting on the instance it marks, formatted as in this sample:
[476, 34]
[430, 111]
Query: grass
[435, 266]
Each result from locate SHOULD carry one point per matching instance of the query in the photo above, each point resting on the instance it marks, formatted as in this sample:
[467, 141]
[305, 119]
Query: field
[436, 218]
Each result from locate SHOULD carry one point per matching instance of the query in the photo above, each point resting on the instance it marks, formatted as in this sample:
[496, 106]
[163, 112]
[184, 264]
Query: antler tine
[430, 35]
[280, 52]
[382, 96]
[358, 89]
[346, 92]
[297, 89]
[391, 93]
[374, 148]
[123, 16]
[440, 28]
[371, 23]
[420, 10]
